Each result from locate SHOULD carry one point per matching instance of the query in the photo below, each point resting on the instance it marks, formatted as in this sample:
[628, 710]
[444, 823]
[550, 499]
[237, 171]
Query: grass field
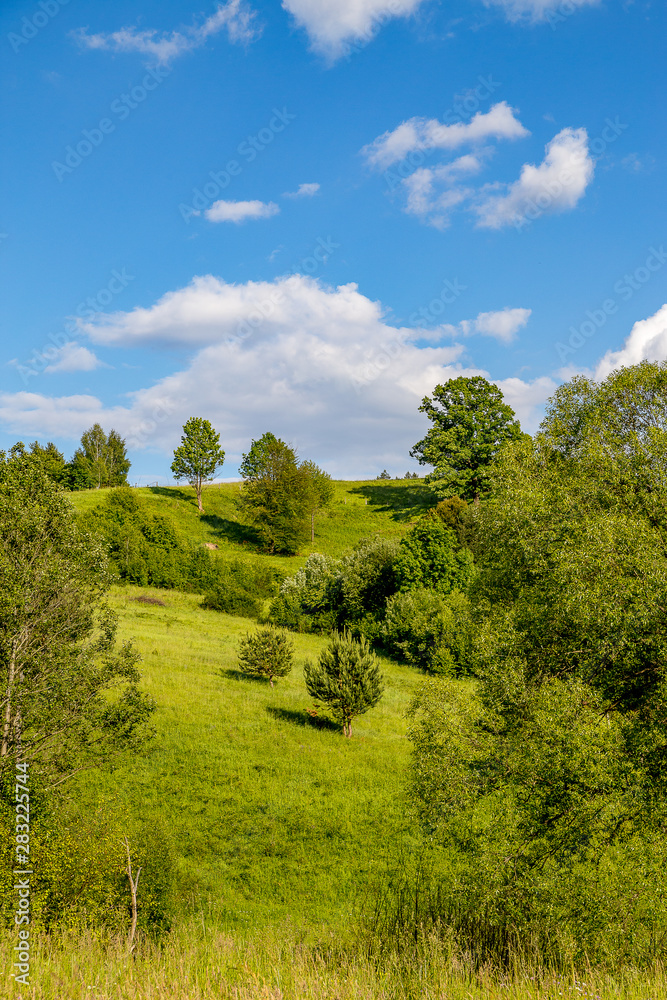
[272, 814]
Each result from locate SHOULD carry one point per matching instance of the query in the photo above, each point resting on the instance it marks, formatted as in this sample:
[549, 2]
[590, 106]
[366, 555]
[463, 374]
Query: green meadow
[280, 831]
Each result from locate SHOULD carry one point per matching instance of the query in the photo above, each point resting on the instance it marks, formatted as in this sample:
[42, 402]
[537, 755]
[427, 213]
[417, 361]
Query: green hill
[360, 509]
[271, 814]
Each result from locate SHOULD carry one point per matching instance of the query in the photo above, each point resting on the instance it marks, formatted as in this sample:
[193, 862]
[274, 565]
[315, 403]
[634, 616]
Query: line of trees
[100, 460]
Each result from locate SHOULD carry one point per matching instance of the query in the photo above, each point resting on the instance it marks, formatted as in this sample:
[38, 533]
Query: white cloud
[162, 47]
[539, 10]
[319, 366]
[73, 357]
[556, 185]
[422, 199]
[503, 324]
[239, 211]
[647, 341]
[303, 191]
[333, 24]
[428, 133]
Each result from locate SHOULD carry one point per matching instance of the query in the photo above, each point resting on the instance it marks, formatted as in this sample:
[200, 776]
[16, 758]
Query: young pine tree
[266, 653]
[346, 678]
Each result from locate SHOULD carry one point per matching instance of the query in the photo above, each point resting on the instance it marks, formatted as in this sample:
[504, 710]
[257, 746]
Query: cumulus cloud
[499, 122]
[647, 341]
[423, 198]
[503, 324]
[539, 10]
[332, 25]
[556, 185]
[235, 17]
[73, 357]
[239, 211]
[321, 367]
[303, 191]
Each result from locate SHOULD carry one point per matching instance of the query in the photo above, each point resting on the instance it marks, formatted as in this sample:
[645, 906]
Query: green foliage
[548, 792]
[383, 475]
[431, 631]
[100, 461]
[346, 678]
[350, 592]
[240, 588]
[277, 494]
[266, 653]
[321, 491]
[470, 424]
[198, 456]
[430, 557]
[70, 696]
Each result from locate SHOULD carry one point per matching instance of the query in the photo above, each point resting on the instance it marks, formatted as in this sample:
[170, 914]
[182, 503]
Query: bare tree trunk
[198, 487]
[133, 889]
[7, 723]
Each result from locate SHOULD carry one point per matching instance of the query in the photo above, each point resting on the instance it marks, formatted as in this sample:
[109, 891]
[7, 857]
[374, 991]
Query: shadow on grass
[238, 675]
[302, 718]
[233, 531]
[174, 493]
[403, 503]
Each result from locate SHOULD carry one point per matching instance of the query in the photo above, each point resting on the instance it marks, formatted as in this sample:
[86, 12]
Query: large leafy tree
[551, 781]
[100, 461]
[69, 695]
[470, 424]
[199, 455]
[276, 494]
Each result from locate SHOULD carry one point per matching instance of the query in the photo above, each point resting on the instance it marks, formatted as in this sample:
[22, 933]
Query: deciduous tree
[470, 424]
[199, 455]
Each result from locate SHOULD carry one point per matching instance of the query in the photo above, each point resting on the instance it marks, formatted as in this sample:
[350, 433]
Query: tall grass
[200, 961]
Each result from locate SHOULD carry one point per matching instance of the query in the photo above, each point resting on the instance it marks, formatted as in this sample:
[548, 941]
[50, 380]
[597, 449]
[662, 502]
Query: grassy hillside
[273, 816]
[359, 510]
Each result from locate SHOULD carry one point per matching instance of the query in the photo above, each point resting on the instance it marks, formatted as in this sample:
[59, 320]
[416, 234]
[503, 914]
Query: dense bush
[431, 631]
[266, 653]
[240, 588]
[430, 556]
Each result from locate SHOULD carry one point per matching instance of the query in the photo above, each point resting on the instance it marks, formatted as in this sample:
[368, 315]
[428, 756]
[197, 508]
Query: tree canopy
[277, 494]
[199, 455]
[70, 696]
[470, 424]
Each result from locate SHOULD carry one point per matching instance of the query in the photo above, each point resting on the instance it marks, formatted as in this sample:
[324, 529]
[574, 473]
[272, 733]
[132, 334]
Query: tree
[276, 494]
[321, 491]
[70, 696]
[383, 475]
[51, 459]
[198, 456]
[346, 678]
[430, 556]
[470, 424]
[100, 461]
[266, 653]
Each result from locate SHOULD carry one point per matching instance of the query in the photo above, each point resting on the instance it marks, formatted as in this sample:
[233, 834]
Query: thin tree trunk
[133, 888]
[312, 526]
[7, 725]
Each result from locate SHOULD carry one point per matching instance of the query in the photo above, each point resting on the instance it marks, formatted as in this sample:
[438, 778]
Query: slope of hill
[359, 510]
[272, 815]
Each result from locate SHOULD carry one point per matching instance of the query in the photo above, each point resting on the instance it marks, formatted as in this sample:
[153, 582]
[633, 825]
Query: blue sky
[301, 217]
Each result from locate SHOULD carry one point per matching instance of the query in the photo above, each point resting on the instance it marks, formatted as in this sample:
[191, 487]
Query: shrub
[431, 631]
[346, 678]
[266, 653]
[239, 587]
[429, 556]
[307, 601]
